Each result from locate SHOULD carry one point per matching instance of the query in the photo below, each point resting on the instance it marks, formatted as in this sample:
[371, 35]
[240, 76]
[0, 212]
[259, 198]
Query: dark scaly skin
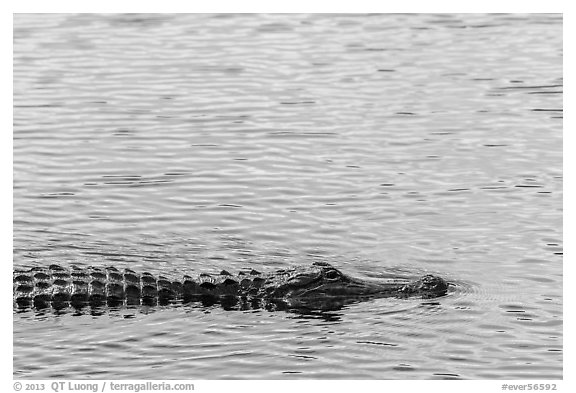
[318, 286]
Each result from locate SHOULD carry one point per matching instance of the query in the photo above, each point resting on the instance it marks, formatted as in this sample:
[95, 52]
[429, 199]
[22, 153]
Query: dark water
[387, 145]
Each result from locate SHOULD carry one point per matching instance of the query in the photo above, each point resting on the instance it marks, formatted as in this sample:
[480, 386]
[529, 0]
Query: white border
[300, 6]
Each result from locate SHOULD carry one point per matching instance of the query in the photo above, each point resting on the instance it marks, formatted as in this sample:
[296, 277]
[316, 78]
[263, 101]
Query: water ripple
[388, 145]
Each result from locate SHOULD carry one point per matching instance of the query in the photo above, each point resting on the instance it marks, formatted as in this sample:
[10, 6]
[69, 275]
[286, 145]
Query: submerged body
[314, 286]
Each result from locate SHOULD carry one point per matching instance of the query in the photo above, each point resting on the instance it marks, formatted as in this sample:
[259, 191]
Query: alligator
[319, 286]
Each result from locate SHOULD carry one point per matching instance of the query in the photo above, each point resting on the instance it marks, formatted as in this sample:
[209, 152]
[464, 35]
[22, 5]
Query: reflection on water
[330, 313]
[386, 145]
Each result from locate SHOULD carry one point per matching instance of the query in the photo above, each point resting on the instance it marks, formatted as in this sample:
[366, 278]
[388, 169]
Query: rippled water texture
[387, 145]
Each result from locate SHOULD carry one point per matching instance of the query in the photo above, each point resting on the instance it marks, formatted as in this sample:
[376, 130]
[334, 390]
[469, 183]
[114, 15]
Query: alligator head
[325, 281]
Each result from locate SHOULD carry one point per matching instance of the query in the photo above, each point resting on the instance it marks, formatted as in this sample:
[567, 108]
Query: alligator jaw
[329, 283]
[428, 286]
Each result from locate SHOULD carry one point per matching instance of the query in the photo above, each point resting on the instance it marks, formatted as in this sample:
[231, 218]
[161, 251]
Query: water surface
[387, 145]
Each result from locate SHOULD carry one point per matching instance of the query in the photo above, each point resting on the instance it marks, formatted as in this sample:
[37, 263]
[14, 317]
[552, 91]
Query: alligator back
[58, 286]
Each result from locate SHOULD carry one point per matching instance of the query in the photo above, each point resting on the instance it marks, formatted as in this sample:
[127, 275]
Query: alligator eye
[332, 274]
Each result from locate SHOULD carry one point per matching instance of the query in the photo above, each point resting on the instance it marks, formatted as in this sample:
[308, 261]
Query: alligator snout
[434, 284]
[428, 286]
